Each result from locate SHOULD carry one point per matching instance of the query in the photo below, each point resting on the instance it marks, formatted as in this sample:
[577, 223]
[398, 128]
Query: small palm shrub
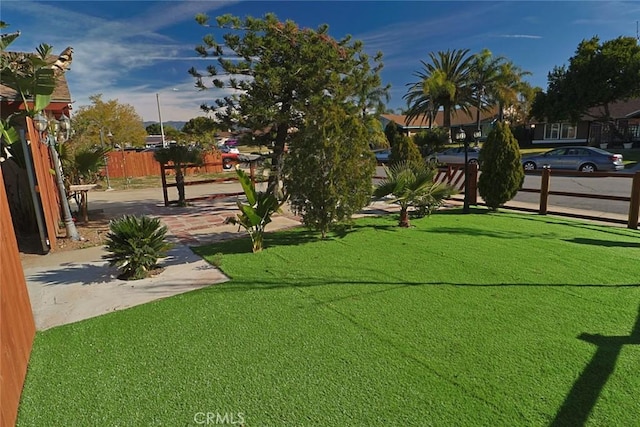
[135, 245]
[411, 184]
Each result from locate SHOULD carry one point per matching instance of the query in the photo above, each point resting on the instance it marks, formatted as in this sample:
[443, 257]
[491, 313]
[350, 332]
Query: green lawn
[463, 320]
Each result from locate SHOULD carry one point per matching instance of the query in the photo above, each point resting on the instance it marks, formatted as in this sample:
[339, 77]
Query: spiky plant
[411, 184]
[255, 215]
[135, 244]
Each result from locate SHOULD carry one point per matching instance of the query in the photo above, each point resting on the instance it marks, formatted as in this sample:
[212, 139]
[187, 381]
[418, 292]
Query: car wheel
[473, 161]
[529, 166]
[588, 167]
[227, 164]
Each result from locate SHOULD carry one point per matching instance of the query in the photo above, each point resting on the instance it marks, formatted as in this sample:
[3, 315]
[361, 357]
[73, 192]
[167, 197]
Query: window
[560, 131]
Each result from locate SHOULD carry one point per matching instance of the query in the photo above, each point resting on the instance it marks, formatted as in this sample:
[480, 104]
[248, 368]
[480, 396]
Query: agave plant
[256, 213]
[411, 184]
[135, 245]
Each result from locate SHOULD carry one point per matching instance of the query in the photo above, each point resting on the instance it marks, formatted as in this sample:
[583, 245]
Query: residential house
[32, 192]
[459, 119]
[624, 127]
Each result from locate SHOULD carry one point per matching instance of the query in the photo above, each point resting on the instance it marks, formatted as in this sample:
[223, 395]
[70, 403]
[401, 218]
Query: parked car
[584, 159]
[456, 155]
[382, 156]
[229, 149]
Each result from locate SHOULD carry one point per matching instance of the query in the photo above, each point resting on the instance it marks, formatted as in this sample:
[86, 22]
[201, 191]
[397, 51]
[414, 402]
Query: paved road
[612, 186]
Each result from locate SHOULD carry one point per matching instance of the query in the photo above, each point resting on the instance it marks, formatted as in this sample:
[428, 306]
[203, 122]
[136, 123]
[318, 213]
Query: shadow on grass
[290, 237]
[584, 394]
[261, 283]
[600, 242]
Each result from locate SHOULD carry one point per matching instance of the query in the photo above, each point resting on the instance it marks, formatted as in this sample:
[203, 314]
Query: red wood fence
[17, 327]
[133, 164]
[46, 187]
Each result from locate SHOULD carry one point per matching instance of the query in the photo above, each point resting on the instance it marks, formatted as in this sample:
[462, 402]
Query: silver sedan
[456, 155]
[584, 159]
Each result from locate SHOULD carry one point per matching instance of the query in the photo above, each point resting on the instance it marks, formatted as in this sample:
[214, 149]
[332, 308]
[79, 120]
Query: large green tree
[272, 72]
[443, 82]
[329, 165]
[599, 74]
[120, 120]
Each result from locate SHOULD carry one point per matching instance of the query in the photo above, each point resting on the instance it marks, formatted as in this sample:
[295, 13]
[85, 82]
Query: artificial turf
[497, 319]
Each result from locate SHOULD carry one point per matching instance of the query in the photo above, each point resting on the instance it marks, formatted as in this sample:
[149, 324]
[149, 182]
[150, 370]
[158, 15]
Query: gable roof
[60, 94]
[458, 118]
[626, 109]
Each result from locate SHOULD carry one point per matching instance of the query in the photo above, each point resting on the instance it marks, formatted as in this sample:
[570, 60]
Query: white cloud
[519, 36]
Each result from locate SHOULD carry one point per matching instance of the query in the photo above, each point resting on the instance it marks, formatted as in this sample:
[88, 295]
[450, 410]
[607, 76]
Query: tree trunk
[180, 186]
[404, 217]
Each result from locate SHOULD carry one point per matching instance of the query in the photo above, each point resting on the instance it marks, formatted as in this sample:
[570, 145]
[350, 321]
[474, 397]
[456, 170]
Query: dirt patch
[92, 233]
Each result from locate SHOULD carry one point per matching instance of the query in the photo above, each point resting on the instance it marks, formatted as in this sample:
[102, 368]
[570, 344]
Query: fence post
[473, 183]
[544, 190]
[634, 204]
[164, 184]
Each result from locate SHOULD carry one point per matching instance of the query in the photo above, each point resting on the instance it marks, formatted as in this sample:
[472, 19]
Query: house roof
[401, 120]
[627, 109]
[458, 118]
[60, 94]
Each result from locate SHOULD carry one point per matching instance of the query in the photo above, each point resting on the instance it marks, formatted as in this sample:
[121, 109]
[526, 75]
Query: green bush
[405, 150]
[502, 173]
[411, 184]
[431, 140]
[135, 245]
[256, 214]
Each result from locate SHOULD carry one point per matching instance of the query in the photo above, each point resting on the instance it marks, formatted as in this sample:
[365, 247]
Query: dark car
[382, 156]
[584, 159]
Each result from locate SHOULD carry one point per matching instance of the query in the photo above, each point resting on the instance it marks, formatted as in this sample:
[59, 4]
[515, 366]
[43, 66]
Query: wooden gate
[17, 327]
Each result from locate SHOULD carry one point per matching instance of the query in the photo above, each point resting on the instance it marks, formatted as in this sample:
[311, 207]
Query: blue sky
[133, 50]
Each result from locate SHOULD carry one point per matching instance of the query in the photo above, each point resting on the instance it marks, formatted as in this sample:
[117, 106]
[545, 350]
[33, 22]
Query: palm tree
[444, 83]
[485, 77]
[411, 184]
[509, 86]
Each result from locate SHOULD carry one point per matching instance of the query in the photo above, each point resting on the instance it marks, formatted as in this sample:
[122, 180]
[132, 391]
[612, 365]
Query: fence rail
[545, 190]
[211, 166]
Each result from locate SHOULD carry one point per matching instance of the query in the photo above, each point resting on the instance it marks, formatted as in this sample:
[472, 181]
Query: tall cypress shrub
[500, 163]
[405, 150]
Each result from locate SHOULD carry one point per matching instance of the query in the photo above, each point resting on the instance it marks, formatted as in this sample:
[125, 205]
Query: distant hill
[176, 125]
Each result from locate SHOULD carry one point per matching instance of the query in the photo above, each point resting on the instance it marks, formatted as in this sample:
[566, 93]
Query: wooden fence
[134, 164]
[17, 327]
[545, 191]
[212, 164]
[45, 187]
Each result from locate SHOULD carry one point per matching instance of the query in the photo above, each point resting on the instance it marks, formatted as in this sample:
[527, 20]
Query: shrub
[411, 184]
[502, 173]
[432, 140]
[329, 168]
[135, 245]
[255, 215]
[405, 150]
